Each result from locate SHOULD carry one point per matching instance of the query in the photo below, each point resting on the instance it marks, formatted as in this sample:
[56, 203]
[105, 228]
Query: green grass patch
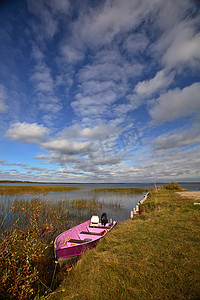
[127, 191]
[155, 256]
[36, 189]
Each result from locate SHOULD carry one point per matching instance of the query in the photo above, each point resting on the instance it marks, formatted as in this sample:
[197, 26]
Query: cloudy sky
[100, 90]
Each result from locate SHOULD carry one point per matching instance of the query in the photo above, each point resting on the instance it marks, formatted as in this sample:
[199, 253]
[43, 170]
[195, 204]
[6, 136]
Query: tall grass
[155, 256]
[173, 186]
[26, 243]
[126, 191]
[25, 254]
[28, 189]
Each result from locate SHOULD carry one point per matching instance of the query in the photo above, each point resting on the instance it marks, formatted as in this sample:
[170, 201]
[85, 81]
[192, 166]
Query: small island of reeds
[34, 189]
[127, 191]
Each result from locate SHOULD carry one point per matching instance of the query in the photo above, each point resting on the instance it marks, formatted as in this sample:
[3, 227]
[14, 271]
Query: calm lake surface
[117, 206]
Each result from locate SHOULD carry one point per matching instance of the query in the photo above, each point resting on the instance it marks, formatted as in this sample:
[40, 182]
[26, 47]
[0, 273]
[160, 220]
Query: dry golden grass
[33, 189]
[126, 191]
[155, 256]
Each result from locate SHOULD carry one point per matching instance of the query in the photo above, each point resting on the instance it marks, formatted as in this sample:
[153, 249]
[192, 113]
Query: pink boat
[75, 241]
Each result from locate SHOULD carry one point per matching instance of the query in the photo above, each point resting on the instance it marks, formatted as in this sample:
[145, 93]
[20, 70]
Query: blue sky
[100, 91]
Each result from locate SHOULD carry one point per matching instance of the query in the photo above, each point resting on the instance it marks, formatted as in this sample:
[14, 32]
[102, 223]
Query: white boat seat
[94, 221]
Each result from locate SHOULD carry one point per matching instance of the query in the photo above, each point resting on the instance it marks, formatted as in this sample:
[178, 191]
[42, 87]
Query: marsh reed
[125, 191]
[34, 189]
[28, 228]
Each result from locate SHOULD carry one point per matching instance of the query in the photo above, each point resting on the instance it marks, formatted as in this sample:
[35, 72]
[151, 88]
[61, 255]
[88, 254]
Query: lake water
[191, 186]
[116, 206]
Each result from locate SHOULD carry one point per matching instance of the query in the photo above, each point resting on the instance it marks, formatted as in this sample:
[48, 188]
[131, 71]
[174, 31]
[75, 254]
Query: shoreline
[157, 254]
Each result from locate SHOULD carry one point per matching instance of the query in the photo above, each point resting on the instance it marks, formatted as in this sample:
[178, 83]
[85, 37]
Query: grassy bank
[155, 256]
[34, 189]
[124, 191]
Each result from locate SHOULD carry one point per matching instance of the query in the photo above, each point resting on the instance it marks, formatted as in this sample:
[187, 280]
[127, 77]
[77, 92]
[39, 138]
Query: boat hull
[75, 250]
[75, 241]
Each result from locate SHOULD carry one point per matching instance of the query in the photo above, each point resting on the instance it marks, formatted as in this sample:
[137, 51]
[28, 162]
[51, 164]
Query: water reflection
[62, 210]
[75, 206]
[117, 206]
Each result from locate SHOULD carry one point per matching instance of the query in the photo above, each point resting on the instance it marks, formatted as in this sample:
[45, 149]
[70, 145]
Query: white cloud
[184, 48]
[176, 103]
[59, 6]
[42, 79]
[71, 54]
[180, 42]
[64, 146]
[97, 131]
[48, 24]
[62, 170]
[75, 145]
[109, 65]
[170, 13]
[44, 86]
[92, 87]
[95, 105]
[3, 96]
[151, 86]
[179, 139]
[113, 18]
[70, 172]
[171, 165]
[102, 65]
[55, 157]
[136, 43]
[103, 82]
[39, 169]
[27, 133]
[145, 89]
[84, 148]
[37, 53]
[91, 133]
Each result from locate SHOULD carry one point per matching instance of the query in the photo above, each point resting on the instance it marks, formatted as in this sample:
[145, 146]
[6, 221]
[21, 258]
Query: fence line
[136, 208]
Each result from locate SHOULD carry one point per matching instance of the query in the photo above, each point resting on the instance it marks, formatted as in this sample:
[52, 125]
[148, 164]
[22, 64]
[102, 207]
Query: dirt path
[193, 195]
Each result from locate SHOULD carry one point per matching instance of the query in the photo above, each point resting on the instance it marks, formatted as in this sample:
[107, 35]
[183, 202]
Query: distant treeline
[16, 181]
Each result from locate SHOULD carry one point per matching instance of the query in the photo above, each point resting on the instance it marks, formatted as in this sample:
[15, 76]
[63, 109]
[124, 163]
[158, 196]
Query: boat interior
[83, 233]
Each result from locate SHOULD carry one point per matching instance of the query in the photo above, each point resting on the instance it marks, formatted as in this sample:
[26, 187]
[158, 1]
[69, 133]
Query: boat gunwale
[81, 246]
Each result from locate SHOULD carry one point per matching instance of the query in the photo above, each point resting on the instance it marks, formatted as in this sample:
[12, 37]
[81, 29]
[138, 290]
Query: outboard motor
[104, 219]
